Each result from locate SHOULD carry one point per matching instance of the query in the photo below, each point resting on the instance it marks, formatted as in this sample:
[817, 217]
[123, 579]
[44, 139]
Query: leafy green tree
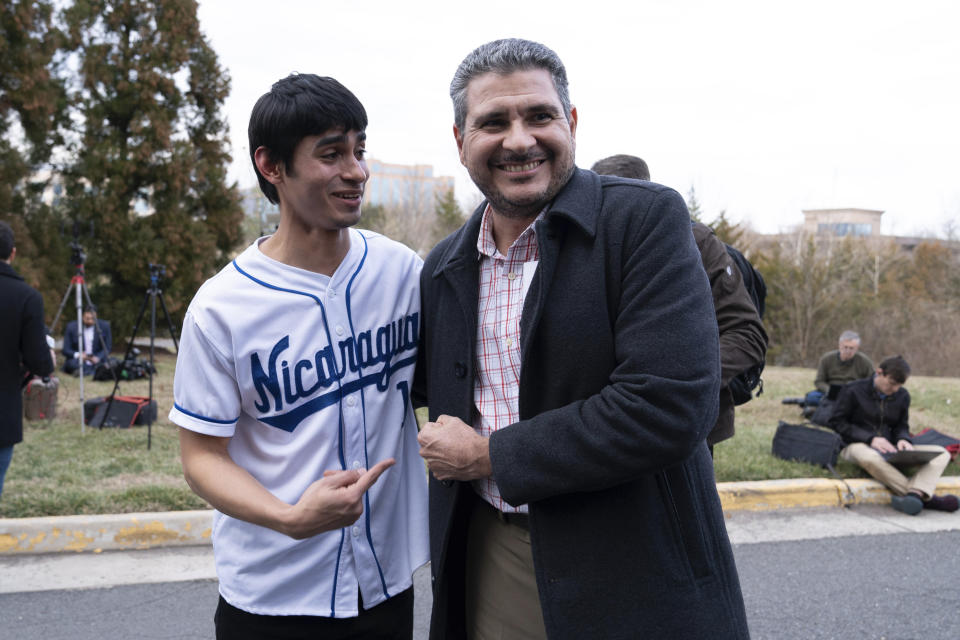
[730, 232]
[150, 152]
[32, 109]
[374, 217]
[693, 205]
[448, 216]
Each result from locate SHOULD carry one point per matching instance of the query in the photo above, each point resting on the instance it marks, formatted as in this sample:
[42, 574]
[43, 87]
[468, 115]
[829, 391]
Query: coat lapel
[460, 267]
[577, 203]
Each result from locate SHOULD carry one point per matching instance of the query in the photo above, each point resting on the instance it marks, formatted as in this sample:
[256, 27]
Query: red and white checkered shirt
[496, 390]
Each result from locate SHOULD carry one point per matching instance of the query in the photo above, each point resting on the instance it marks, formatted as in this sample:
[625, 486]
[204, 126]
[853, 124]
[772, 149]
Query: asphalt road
[898, 586]
[160, 611]
[806, 575]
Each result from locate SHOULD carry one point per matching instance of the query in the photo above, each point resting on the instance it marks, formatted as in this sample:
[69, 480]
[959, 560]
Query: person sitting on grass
[838, 367]
[871, 415]
[97, 344]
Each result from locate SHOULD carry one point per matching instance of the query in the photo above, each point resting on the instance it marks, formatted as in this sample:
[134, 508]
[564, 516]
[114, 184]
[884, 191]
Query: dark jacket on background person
[23, 348]
[619, 381]
[101, 349]
[743, 340]
[862, 412]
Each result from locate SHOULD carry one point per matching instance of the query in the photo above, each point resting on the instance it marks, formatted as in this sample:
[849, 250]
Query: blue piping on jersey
[201, 417]
[336, 574]
[343, 463]
[275, 287]
[363, 406]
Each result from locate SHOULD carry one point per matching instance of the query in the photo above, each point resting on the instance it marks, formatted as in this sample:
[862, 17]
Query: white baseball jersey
[306, 373]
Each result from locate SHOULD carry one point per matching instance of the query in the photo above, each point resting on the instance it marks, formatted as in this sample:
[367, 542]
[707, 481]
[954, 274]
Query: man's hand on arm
[453, 450]
[882, 445]
[332, 502]
[904, 445]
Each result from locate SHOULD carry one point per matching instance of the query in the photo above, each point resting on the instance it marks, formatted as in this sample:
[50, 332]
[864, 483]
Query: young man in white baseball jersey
[292, 391]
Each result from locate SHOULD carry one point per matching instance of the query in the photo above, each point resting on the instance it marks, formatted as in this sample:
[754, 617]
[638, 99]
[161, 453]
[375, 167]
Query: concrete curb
[116, 532]
[811, 492]
[105, 532]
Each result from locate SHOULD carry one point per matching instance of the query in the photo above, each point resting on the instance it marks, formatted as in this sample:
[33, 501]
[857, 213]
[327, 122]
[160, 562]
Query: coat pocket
[686, 517]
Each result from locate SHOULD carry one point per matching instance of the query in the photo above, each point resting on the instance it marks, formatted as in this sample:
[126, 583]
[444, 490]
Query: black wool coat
[23, 345]
[619, 383]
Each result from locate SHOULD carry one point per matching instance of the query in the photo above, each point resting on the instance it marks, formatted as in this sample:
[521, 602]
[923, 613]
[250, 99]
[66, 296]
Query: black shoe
[948, 502]
[910, 504]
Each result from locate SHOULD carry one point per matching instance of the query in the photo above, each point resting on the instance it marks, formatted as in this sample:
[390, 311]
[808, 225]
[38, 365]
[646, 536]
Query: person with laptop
[872, 417]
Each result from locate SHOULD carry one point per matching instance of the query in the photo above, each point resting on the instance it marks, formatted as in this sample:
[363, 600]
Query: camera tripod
[78, 284]
[153, 293]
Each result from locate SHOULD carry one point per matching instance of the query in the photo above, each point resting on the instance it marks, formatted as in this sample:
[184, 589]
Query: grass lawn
[57, 470]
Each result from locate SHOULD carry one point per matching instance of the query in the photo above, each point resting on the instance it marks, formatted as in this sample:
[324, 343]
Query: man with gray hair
[838, 367]
[844, 364]
[571, 365]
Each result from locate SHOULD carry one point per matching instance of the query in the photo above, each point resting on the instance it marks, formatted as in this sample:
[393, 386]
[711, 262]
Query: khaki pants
[923, 480]
[501, 590]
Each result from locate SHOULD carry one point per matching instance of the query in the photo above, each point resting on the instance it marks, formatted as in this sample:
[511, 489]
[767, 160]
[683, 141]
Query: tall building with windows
[842, 222]
[407, 187]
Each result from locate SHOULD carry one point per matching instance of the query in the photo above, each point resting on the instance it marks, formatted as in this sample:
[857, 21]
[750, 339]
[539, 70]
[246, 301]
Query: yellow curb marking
[7, 542]
[80, 541]
[145, 535]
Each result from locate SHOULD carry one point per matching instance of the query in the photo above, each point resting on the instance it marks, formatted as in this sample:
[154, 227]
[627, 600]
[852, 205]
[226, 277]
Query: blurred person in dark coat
[23, 347]
[743, 340]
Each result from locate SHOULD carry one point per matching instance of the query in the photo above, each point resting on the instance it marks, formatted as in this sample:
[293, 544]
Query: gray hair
[849, 335]
[504, 57]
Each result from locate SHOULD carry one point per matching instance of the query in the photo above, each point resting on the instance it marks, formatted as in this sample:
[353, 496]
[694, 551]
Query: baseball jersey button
[356, 464]
[356, 532]
[351, 401]
[339, 329]
[332, 293]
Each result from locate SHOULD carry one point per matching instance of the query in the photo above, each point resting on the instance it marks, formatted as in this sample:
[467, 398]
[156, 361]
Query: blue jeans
[6, 455]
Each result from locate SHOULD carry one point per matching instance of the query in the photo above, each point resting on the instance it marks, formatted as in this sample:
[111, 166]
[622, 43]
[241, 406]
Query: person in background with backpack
[23, 347]
[743, 340]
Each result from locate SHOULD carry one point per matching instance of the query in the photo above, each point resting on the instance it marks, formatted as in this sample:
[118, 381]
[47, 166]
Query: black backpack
[742, 386]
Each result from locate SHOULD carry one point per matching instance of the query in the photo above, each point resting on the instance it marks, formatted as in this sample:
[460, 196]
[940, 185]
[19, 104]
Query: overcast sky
[766, 108]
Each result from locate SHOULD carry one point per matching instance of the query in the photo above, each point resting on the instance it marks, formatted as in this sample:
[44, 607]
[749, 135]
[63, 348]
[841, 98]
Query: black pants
[389, 620]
